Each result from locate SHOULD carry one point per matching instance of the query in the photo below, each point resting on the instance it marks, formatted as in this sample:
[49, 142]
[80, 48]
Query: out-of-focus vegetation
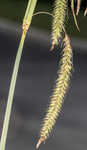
[14, 10]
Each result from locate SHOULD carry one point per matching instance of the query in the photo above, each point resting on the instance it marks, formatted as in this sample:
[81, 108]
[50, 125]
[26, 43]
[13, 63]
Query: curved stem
[11, 94]
[44, 13]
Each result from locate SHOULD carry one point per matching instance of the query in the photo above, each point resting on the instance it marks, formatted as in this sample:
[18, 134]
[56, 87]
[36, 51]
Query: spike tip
[39, 143]
[85, 13]
[52, 47]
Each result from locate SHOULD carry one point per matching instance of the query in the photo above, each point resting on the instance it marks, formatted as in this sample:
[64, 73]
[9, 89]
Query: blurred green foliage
[14, 10]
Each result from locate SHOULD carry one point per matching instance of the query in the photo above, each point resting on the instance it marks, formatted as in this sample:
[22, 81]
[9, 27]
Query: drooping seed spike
[62, 84]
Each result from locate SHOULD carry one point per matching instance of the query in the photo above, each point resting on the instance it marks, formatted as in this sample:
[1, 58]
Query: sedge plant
[62, 83]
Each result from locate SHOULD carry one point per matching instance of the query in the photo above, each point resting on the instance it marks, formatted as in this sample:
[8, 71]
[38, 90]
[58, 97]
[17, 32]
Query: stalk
[26, 24]
[11, 94]
[29, 11]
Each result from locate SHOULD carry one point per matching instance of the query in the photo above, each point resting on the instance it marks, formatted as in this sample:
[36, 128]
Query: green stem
[28, 18]
[29, 11]
[28, 7]
[11, 94]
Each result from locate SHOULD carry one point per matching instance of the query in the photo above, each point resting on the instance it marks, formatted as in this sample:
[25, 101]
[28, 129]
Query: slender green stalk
[29, 11]
[26, 24]
[11, 94]
[28, 6]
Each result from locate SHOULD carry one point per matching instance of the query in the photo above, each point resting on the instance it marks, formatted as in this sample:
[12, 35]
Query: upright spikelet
[59, 14]
[59, 92]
